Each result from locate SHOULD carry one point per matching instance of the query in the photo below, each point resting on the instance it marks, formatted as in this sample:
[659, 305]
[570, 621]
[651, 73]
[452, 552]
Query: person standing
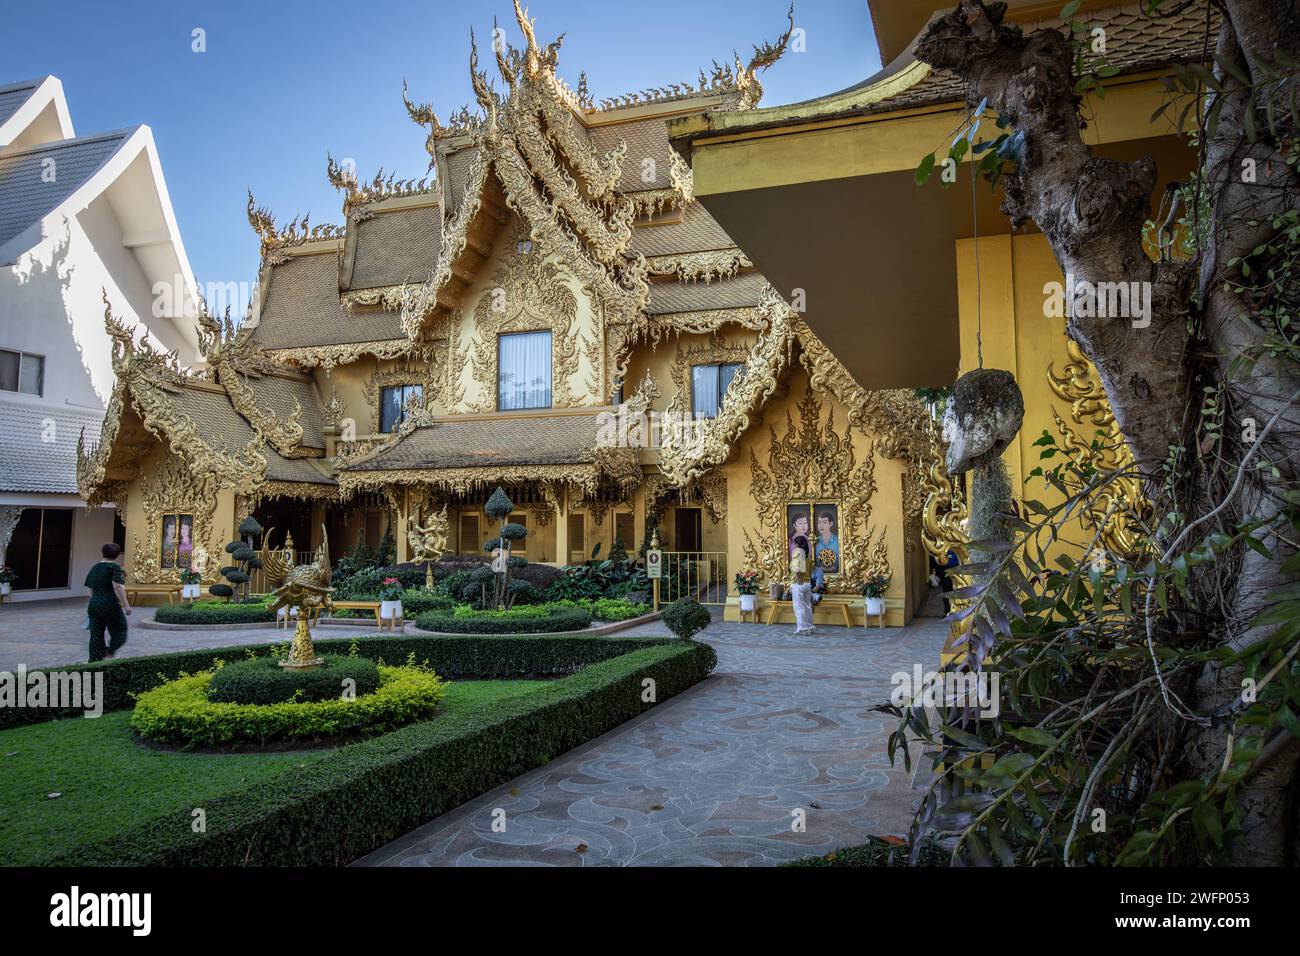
[801, 587]
[108, 604]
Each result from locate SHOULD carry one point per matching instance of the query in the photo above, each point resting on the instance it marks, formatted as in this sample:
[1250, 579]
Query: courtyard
[774, 757]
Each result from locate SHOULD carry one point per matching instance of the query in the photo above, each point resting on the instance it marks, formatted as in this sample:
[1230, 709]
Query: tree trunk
[1091, 210]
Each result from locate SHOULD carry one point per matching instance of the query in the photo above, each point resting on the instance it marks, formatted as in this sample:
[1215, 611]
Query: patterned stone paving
[48, 633]
[714, 776]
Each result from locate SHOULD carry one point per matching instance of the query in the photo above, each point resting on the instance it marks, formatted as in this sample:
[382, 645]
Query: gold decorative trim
[529, 294]
[1122, 500]
[812, 462]
[700, 266]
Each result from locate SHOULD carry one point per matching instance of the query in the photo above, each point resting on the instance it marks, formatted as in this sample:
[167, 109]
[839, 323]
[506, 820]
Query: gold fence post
[656, 584]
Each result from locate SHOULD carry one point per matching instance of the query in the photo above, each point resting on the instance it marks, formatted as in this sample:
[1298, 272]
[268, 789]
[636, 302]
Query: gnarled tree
[1221, 324]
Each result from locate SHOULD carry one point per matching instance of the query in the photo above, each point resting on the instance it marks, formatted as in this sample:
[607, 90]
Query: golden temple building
[619, 337]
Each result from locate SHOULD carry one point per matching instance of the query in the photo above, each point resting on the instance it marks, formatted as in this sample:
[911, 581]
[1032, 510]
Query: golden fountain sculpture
[428, 543]
[306, 588]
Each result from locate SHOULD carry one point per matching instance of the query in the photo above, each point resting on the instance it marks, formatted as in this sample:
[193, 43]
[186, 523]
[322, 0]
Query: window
[708, 386]
[524, 363]
[625, 530]
[22, 372]
[177, 540]
[394, 403]
[40, 551]
[577, 538]
[469, 539]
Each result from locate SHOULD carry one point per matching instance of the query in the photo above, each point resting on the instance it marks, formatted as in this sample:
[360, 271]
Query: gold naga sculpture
[429, 543]
[305, 587]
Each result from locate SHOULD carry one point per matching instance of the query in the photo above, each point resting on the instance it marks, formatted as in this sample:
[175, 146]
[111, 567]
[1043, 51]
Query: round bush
[686, 617]
[514, 621]
[262, 680]
[180, 713]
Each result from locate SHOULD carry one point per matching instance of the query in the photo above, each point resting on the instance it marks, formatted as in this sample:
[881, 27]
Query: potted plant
[873, 590]
[7, 579]
[747, 588]
[190, 581]
[390, 599]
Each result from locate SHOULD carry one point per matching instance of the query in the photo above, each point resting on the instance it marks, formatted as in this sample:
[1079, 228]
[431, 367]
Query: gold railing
[698, 574]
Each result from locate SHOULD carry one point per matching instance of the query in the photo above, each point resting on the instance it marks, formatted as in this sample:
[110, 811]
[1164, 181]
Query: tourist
[108, 604]
[801, 588]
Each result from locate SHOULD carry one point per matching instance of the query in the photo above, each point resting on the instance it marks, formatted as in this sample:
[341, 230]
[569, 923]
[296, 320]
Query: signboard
[654, 565]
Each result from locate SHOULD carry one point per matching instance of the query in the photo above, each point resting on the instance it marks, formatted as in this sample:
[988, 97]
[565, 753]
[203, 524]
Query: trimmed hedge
[468, 657]
[489, 622]
[215, 614]
[365, 795]
[180, 712]
[261, 680]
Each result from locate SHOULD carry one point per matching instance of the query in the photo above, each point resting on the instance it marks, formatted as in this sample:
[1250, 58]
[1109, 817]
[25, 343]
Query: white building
[81, 218]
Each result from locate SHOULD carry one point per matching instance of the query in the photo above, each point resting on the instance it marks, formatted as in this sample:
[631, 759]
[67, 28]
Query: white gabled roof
[48, 176]
[34, 112]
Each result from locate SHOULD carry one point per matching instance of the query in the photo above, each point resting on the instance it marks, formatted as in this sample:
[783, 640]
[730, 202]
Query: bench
[777, 606]
[152, 590]
[372, 606]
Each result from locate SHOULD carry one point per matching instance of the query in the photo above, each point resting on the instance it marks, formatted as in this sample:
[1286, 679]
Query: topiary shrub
[522, 593]
[180, 713]
[686, 617]
[261, 680]
[221, 591]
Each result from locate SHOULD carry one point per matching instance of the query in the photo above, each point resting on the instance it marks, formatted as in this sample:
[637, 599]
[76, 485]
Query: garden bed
[125, 804]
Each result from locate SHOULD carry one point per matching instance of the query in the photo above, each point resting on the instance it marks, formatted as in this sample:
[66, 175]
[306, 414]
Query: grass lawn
[108, 782]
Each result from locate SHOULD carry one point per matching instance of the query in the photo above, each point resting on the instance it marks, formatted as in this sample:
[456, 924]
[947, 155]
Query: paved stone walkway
[714, 776]
[48, 633]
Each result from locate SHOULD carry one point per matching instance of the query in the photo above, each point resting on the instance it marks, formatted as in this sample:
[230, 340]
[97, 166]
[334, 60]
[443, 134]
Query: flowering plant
[7, 575]
[747, 582]
[190, 576]
[392, 590]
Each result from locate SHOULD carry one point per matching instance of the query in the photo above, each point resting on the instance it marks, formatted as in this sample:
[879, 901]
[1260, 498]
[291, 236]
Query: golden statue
[306, 588]
[429, 543]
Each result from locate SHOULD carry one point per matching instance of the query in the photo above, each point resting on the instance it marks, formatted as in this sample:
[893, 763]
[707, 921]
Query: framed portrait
[167, 559]
[798, 528]
[826, 523]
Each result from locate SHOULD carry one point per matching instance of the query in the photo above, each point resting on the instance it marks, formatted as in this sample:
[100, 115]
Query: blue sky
[283, 81]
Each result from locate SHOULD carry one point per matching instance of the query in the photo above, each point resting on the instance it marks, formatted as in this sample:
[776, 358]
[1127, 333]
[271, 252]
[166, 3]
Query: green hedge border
[481, 657]
[560, 619]
[361, 797]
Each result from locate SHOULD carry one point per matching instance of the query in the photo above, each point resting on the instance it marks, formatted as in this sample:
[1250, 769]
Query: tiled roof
[1134, 42]
[473, 443]
[277, 394]
[14, 96]
[301, 308]
[27, 192]
[38, 445]
[647, 139]
[739, 292]
[696, 232]
[224, 429]
[458, 166]
[396, 246]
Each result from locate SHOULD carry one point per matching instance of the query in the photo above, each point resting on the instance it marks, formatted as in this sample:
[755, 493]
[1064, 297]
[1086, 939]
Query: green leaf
[1070, 9]
[924, 170]
[1033, 735]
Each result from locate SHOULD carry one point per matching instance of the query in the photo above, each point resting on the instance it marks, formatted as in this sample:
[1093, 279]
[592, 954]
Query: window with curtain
[524, 370]
[22, 372]
[708, 385]
[393, 401]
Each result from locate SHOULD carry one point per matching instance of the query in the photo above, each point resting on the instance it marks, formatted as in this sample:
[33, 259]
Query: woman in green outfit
[108, 604]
